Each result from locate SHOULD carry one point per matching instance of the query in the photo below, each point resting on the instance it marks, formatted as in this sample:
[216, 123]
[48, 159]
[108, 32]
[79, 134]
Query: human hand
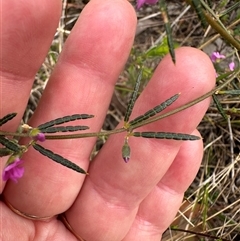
[117, 201]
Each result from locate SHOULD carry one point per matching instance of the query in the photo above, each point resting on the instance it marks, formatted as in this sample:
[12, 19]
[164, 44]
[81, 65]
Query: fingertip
[27, 31]
[105, 28]
[191, 64]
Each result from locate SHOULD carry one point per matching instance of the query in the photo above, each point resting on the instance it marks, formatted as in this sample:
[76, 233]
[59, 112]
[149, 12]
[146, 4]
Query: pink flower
[126, 159]
[231, 66]
[13, 171]
[37, 135]
[216, 55]
[40, 137]
[140, 3]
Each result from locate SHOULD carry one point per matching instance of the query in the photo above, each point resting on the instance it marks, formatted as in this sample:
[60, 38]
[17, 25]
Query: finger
[114, 189]
[24, 46]
[82, 82]
[15, 226]
[159, 208]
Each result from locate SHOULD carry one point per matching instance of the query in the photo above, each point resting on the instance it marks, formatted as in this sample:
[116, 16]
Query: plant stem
[122, 129]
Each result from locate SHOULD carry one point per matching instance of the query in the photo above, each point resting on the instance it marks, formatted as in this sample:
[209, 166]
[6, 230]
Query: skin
[117, 201]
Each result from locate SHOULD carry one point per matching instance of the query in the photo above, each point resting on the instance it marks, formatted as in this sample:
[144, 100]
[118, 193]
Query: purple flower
[216, 55]
[37, 135]
[13, 171]
[40, 137]
[231, 66]
[126, 159]
[140, 3]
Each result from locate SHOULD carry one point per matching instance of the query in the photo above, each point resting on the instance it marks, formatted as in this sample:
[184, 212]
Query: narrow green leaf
[199, 10]
[154, 110]
[219, 106]
[133, 98]
[59, 159]
[164, 11]
[64, 129]
[167, 135]
[64, 119]
[229, 92]
[5, 152]
[235, 6]
[7, 118]
[11, 145]
[222, 31]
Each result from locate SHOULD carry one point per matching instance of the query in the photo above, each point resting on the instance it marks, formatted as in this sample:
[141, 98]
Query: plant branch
[191, 103]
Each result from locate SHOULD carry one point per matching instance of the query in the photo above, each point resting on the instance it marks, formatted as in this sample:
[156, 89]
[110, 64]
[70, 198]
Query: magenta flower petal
[140, 3]
[126, 159]
[13, 171]
[231, 66]
[151, 1]
[216, 55]
[40, 137]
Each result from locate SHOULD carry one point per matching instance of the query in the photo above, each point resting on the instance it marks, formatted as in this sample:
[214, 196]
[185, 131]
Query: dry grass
[212, 202]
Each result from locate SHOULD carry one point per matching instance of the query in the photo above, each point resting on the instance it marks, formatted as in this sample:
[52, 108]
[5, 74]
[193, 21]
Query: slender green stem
[70, 136]
[218, 26]
[222, 32]
[218, 35]
[85, 135]
[15, 134]
[213, 14]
